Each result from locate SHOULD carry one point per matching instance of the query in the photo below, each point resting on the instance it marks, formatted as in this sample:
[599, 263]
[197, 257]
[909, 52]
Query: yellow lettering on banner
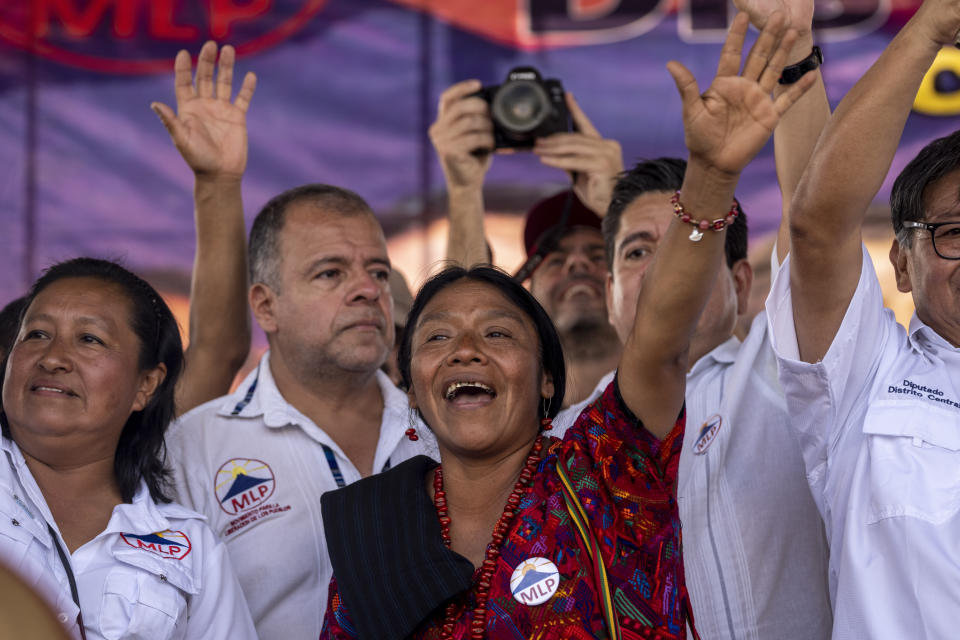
[931, 102]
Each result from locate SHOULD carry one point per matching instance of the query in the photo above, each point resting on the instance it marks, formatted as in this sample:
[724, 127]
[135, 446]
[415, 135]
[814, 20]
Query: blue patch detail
[530, 578]
[241, 484]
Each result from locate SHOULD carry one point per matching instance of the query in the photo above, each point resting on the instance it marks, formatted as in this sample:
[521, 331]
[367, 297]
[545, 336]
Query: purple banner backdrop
[347, 89]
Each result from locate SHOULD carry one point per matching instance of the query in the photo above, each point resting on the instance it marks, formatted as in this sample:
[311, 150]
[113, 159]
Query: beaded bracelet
[699, 226]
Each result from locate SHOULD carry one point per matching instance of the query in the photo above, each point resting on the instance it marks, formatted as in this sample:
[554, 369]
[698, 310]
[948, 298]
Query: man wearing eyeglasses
[876, 409]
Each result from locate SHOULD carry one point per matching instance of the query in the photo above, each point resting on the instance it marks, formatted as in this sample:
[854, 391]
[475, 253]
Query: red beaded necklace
[493, 548]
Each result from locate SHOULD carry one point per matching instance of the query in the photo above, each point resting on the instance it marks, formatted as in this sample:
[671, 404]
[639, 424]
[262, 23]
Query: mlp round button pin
[534, 581]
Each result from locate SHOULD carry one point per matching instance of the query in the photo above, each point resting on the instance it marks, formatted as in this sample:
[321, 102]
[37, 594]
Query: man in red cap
[566, 262]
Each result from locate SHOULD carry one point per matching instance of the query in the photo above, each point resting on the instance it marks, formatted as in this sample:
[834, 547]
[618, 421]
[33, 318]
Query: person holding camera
[569, 278]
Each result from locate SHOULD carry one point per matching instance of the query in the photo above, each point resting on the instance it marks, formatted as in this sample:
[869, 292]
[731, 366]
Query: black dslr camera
[525, 107]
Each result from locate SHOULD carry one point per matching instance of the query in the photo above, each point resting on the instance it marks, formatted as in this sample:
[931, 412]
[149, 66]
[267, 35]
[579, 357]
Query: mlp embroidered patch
[708, 431]
[534, 581]
[242, 484]
[166, 544]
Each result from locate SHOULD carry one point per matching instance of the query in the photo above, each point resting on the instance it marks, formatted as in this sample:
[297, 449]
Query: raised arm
[462, 127]
[594, 161]
[724, 128]
[848, 166]
[799, 128]
[210, 132]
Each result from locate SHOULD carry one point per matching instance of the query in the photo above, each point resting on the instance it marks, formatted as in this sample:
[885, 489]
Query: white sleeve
[774, 262]
[219, 611]
[820, 396]
[177, 447]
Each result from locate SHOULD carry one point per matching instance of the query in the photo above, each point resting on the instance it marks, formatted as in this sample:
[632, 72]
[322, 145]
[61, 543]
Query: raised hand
[940, 20]
[596, 160]
[799, 13]
[729, 123]
[463, 125]
[209, 130]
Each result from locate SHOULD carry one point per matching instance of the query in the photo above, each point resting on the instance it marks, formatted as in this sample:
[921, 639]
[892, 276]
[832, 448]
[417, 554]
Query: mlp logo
[166, 544]
[242, 484]
[708, 431]
[534, 581]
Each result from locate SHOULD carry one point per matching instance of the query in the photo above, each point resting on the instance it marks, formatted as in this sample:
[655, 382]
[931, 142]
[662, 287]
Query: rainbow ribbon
[579, 517]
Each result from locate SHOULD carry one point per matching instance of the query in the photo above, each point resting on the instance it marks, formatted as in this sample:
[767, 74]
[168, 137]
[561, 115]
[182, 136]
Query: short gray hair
[264, 249]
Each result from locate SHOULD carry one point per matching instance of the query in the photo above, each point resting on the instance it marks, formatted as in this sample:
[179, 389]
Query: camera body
[525, 107]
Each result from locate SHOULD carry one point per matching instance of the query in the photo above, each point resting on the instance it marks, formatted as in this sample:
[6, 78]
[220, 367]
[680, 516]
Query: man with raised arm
[755, 555]
[569, 282]
[876, 409]
[210, 132]
[317, 413]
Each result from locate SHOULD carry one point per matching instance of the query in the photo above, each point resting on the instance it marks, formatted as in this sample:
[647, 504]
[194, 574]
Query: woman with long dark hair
[88, 392]
[516, 534]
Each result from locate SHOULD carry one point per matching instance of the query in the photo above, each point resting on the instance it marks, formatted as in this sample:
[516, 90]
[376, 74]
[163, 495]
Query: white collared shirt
[256, 467]
[754, 551]
[156, 571]
[878, 420]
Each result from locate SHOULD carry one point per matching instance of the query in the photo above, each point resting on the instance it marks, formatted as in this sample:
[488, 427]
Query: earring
[411, 433]
[546, 423]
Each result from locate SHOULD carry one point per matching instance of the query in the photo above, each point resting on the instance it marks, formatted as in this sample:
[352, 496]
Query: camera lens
[520, 106]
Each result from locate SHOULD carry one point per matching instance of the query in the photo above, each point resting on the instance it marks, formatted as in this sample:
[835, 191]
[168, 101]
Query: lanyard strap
[248, 396]
[70, 579]
[335, 466]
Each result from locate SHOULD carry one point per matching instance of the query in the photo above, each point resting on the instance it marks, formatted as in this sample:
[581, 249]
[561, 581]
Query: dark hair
[934, 161]
[661, 174]
[10, 324]
[139, 454]
[264, 248]
[551, 353]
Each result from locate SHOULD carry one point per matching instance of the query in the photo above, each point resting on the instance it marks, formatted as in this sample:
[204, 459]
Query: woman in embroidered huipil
[516, 534]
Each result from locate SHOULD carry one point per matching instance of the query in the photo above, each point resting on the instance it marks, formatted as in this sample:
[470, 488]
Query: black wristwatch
[794, 72]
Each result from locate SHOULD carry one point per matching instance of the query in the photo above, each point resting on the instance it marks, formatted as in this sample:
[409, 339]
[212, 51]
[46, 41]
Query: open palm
[209, 130]
[730, 122]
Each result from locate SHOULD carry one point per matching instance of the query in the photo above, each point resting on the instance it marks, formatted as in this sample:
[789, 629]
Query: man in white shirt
[876, 409]
[315, 415]
[755, 555]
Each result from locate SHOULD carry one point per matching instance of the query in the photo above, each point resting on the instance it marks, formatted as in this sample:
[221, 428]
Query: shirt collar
[921, 332]
[724, 353]
[246, 400]
[143, 516]
[396, 406]
[258, 395]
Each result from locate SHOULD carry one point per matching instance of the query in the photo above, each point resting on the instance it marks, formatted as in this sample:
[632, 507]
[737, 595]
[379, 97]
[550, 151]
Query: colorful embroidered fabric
[626, 480]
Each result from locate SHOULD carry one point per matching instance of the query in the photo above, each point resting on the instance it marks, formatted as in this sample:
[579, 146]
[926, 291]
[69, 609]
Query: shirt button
[163, 578]
[15, 522]
[62, 617]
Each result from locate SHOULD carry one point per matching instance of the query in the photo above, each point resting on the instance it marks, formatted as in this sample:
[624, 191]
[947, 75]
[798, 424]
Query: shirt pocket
[17, 525]
[137, 605]
[914, 462]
